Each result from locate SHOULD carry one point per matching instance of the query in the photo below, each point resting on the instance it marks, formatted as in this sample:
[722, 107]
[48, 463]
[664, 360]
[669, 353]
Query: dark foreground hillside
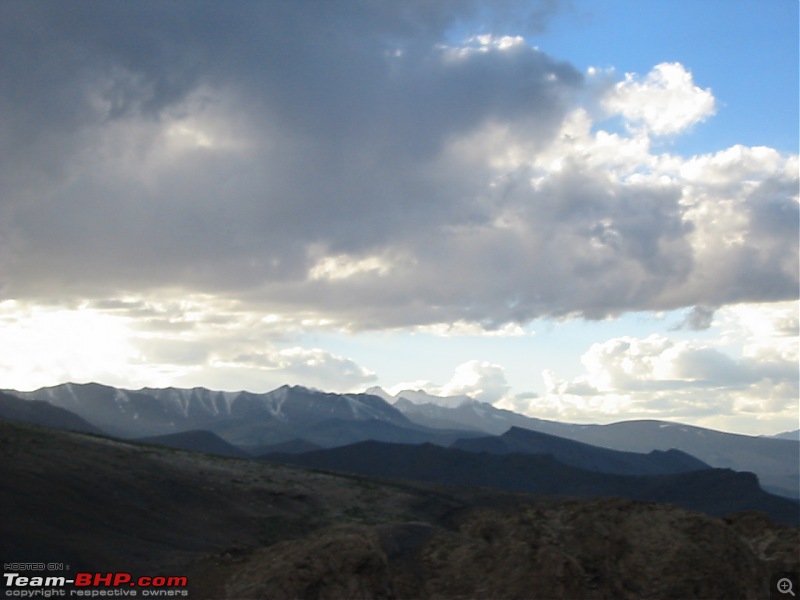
[244, 529]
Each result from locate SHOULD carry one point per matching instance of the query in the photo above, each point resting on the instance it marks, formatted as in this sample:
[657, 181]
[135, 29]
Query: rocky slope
[608, 548]
[244, 529]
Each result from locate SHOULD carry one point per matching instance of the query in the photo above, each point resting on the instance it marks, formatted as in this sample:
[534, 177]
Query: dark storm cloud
[699, 318]
[578, 245]
[232, 149]
[348, 105]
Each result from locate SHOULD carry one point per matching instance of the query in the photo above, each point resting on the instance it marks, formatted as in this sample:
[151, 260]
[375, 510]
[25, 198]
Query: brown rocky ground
[607, 548]
[244, 529]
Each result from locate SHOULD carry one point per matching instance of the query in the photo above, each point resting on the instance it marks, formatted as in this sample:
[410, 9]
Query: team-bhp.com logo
[119, 584]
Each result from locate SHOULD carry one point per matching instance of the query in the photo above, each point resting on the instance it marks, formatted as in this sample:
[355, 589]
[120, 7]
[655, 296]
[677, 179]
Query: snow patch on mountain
[121, 398]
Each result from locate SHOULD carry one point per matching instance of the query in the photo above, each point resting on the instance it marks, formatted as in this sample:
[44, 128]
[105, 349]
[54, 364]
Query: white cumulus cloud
[481, 380]
[749, 376]
[666, 101]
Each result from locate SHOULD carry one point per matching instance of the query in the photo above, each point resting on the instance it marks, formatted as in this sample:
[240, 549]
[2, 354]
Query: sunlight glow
[46, 346]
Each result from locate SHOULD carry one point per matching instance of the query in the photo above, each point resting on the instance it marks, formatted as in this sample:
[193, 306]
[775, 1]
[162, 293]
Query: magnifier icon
[785, 586]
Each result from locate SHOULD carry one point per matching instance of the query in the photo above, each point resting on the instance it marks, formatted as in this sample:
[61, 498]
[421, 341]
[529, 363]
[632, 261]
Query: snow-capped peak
[421, 397]
[381, 393]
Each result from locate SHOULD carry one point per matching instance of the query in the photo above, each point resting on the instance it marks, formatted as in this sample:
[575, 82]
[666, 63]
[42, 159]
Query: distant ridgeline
[472, 442]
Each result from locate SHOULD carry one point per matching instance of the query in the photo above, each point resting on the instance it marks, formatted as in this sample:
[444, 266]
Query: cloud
[464, 328]
[698, 319]
[480, 380]
[689, 379]
[767, 332]
[519, 403]
[303, 133]
[309, 367]
[666, 102]
[193, 342]
[44, 347]
[358, 166]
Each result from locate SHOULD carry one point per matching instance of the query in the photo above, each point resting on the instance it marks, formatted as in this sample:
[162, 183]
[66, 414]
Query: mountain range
[306, 419]
[776, 460]
[241, 528]
[712, 491]
[303, 493]
[247, 418]
[584, 456]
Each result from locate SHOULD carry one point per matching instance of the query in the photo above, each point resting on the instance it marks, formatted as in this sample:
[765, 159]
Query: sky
[579, 210]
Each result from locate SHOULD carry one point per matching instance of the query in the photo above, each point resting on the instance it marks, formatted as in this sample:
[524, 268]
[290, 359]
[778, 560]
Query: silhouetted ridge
[585, 456]
[197, 441]
[707, 490]
[43, 413]
[295, 446]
